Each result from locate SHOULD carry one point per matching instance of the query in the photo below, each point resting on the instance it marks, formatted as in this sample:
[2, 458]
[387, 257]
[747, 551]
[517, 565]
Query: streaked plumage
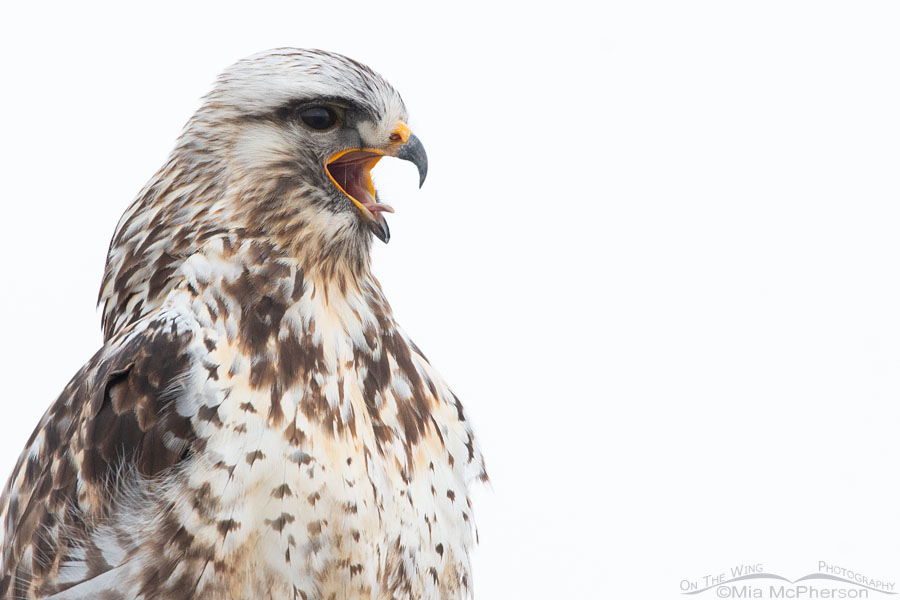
[256, 424]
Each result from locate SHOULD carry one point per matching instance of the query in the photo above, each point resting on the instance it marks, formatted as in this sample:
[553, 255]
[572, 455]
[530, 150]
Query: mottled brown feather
[121, 425]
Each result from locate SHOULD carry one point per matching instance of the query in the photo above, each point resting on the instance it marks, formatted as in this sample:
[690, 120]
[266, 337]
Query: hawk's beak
[411, 149]
[350, 171]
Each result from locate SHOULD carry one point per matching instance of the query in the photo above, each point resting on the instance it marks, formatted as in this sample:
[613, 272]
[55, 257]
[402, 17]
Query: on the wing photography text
[754, 581]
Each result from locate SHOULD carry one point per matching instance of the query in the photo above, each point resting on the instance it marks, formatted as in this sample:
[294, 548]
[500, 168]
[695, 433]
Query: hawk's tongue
[378, 207]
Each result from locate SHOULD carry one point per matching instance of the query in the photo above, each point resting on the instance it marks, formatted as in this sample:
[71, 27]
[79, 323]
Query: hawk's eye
[319, 117]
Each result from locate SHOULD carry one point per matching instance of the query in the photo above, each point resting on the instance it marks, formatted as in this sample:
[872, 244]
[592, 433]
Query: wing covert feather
[115, 420]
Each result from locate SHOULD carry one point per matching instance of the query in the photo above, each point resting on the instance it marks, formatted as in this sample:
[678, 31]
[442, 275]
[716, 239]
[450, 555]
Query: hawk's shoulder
[125, 416]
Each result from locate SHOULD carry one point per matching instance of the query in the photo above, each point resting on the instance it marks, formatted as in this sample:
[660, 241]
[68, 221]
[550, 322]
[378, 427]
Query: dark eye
[319, 117]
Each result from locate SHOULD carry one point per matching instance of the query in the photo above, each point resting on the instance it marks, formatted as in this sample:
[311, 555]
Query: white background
[656, 255]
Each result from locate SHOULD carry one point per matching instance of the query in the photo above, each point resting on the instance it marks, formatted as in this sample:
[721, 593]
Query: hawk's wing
[125, 417]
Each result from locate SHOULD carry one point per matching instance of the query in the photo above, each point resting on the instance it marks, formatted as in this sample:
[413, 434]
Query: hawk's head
[299, 132]
[280, 152]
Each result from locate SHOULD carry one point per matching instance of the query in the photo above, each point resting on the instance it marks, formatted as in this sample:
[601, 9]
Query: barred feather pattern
[256, 424]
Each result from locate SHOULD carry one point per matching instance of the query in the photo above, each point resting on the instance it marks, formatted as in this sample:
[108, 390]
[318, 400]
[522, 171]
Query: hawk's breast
[335, 460]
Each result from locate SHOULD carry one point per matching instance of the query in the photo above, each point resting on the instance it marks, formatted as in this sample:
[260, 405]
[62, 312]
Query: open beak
[350, 171]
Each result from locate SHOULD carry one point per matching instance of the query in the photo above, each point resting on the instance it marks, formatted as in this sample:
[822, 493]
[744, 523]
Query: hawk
[256, 424]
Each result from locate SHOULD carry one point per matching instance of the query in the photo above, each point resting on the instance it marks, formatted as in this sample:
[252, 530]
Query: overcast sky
[656, 256]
